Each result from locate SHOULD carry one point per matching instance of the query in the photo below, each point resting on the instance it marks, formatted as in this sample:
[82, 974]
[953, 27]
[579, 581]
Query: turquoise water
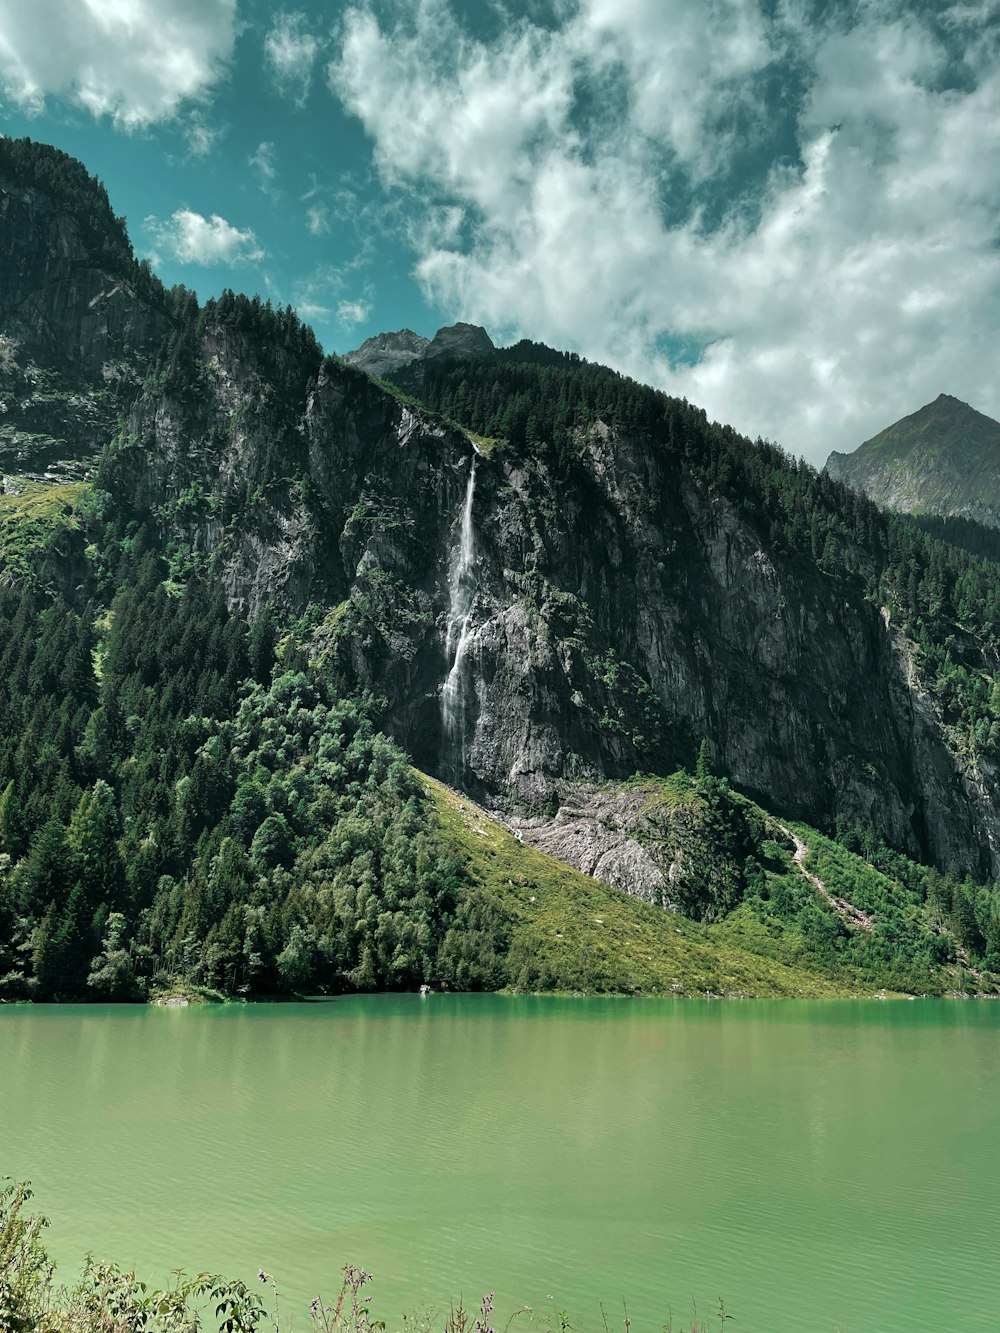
[820, 1165]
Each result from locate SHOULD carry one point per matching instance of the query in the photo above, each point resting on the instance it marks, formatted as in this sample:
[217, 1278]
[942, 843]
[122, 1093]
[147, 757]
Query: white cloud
[320, 297]
[313, 312]
[137, 61]
[264, 163]
[483, 110]
[189, 238]
[829, 295]
[201, 137]
[290, 52]
[316, 296]
[317, 220]
[687, 67]
[350, 313]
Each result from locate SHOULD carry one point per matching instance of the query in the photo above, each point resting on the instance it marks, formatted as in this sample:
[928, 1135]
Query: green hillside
[227, 648]
[855, 931]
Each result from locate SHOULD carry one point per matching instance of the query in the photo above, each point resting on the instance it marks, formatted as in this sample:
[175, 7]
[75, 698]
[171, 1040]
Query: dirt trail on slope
[848, 913]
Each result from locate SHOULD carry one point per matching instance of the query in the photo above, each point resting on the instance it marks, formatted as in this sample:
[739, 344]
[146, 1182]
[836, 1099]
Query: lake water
[821, 1166]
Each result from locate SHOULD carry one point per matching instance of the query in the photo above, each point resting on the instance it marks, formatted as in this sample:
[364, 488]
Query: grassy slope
[893, 907]
[572, 932]
[580, 934]
[28, 521]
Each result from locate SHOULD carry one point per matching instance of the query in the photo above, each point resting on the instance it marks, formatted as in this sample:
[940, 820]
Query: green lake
[822, 1166]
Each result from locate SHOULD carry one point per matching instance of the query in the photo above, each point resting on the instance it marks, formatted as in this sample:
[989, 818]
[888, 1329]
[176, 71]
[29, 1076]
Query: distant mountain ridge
[942, 460]
[388, 353]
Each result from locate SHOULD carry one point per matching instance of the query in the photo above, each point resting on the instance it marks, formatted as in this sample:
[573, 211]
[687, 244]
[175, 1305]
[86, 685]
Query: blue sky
[785, 210]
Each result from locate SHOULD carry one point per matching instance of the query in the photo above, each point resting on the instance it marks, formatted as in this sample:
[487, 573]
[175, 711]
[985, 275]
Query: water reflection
[815, 1162]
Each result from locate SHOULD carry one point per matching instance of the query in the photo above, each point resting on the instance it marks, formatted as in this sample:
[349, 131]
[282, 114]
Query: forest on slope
[185, 803]
[196, 794]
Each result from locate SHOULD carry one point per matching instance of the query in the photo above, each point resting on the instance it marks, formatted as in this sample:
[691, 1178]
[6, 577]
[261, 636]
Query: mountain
[389, 355]
[280, 599]
[387, 352]
[624, 599]
[943, 460]
[468, 341]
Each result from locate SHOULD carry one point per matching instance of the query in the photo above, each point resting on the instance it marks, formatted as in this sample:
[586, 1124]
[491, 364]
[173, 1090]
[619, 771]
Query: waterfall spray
[462, 596]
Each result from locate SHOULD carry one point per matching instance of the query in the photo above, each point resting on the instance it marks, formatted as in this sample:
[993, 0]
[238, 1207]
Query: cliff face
[532, 626]
[604, 623]
[61, 306]
[75, 331]
[942, 460]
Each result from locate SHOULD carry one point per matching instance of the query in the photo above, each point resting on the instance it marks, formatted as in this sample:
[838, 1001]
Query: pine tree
[93, 841]
[11, 823]
[43, 877]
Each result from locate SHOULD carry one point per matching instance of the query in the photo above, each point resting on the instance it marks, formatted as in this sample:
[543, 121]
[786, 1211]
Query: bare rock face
[942, 460]
[64, 308]
[75, 334]
[460, 340]
[388, 352]
[598, 831]
[650, 838]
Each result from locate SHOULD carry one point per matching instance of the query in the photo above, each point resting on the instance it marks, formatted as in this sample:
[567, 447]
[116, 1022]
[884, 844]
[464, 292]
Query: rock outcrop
[388, 352]
[460, 340]
[388, 355]
[79, 320]
[60, 306]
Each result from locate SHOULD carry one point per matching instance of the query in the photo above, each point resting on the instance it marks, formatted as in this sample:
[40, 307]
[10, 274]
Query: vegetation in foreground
[108, 1299]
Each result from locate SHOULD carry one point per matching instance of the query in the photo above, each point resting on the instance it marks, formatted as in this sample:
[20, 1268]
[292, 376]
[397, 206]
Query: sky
[787, 211]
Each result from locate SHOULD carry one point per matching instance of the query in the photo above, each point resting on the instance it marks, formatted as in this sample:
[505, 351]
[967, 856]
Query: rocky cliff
[942, 460]
[79, 318]
[535, 619]
[461, 340]
[613, 617]
[387, 352]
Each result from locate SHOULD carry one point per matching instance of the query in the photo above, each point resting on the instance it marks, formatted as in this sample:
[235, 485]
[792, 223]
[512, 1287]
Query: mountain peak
[403, 338]
[943, 423]
[950, 400]
[386, 352]
[943, 459]
[470, 340]
[389, 353]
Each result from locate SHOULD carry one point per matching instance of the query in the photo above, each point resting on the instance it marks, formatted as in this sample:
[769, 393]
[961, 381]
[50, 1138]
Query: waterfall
[461, 598]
